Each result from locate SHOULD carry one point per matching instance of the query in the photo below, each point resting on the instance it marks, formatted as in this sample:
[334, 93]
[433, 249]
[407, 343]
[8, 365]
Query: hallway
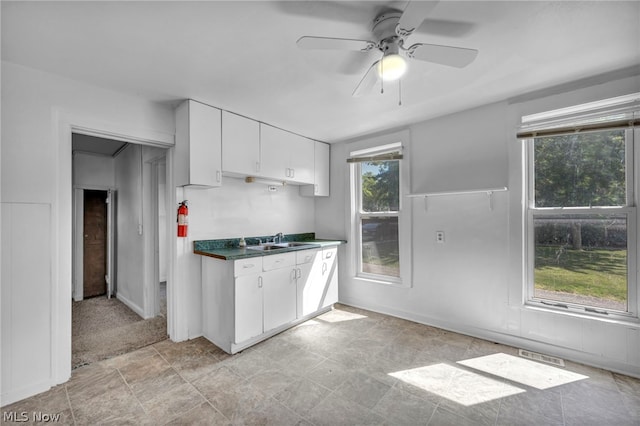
[103, 328]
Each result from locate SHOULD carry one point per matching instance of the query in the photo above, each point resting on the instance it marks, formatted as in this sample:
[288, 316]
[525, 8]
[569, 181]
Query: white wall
[38, 112]
[130, 243]
[473, 283]
[93, 171]
[235, 209]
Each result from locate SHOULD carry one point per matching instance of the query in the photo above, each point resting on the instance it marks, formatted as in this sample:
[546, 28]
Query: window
[379, 222]
[378, 213]
[581, 217]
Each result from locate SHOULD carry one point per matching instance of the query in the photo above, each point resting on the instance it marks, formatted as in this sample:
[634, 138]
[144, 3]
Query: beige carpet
[103, 328]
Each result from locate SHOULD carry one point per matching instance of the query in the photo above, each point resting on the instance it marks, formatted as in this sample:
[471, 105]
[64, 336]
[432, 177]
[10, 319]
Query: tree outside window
[579, 220]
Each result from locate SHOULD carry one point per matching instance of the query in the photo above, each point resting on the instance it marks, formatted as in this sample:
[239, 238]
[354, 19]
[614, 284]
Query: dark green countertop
[228, 249]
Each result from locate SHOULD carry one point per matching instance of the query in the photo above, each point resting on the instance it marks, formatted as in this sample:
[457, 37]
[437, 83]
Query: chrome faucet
[279, 236]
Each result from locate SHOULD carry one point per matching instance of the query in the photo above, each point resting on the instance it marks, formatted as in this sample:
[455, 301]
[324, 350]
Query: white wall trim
[20, 393]
[78, 253]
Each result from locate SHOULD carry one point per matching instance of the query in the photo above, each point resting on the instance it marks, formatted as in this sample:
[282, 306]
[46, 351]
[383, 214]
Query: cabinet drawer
[251, 265]
[276, 261]
[329, 253]
[306, 256]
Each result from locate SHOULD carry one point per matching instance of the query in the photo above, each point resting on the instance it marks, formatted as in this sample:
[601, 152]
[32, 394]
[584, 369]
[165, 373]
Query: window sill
[623, 320]
[380, 280]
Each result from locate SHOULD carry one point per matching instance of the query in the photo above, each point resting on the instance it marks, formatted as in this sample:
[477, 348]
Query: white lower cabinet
[248, 307]
[248, 300]
[329, 272]
[279, 297]
[317, 280]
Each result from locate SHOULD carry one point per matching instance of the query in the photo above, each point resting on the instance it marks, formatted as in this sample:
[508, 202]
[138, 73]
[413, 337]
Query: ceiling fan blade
[370, 78]
[446, 55]
[412, 17]
[310, 42]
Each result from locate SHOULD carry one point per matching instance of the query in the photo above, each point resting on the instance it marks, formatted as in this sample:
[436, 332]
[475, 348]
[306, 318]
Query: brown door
[95, 243]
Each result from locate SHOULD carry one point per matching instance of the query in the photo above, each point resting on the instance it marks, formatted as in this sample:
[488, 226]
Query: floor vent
[540, 357]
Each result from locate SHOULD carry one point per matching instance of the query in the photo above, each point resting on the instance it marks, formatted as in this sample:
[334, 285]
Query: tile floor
[346, 367]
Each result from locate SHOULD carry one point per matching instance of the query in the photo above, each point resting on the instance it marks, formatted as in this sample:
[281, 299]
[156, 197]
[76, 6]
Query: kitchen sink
[291, 244]
[266, 247]
[278, 246]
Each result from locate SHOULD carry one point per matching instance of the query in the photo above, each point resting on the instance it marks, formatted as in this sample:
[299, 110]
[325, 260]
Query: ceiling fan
[390, 31]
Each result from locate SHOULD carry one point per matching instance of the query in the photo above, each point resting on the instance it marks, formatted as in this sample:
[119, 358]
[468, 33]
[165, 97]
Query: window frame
[403, 213]
[629, 210]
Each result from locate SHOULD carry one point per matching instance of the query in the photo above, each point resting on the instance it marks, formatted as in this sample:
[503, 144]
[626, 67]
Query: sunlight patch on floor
[456, 384]
[307, 323]
[339, 316]
[527, 372]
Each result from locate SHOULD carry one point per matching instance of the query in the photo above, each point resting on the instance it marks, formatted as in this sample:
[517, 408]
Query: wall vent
[540, 357]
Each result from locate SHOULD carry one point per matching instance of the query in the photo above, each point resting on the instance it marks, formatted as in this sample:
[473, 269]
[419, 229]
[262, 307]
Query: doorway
[112, 248]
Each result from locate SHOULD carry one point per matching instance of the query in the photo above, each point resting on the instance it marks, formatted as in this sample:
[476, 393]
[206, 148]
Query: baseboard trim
[19, 394]
[135, 308]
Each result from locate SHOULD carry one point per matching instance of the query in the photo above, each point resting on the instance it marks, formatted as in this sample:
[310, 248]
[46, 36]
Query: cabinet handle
[329, 254]
[257, 166]
[259, 282]
[293, 173]
[217, 175]
[299, 273]
[293, 275]
[324, 267]
[248, 265]
[287, 172]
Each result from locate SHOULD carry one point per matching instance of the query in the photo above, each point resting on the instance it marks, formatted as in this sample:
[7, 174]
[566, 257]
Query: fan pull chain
[382, 74]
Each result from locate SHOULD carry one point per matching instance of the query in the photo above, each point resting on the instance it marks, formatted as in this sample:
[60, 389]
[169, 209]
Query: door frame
[152, 293]
[64, 124]
[78, 241]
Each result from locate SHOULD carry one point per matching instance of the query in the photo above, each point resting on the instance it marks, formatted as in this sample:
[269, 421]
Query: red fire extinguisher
[183, 219]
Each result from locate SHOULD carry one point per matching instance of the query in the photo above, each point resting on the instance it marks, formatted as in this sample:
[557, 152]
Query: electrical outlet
[440, 237]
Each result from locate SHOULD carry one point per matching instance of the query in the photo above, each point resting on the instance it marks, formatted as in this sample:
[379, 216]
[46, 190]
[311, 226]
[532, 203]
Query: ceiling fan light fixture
[391, 67]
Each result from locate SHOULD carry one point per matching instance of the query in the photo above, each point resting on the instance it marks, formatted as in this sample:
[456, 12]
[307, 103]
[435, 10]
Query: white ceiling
[96, 145]
[242, 56]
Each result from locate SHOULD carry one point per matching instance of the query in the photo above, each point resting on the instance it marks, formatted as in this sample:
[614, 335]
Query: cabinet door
[285, 155]
[321, 172]
[240, 145]
[198, 151]
[309, 283]
[279, 290]
[329, 276]
[248, 307]
[301, 159]
[320, 187]
[274, 158]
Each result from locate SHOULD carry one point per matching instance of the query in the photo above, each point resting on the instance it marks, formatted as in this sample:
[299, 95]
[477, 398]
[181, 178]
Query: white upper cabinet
[210, 141]
[320, 187]
[285, 155]
[240, 145]
[198, 150]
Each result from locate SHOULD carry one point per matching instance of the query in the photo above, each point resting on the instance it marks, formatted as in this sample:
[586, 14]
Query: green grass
[590, 272]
